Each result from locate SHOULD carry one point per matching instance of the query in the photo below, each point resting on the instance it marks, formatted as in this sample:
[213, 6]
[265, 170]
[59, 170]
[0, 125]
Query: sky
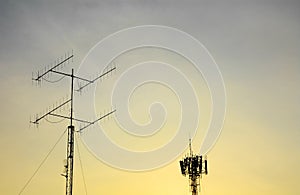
[255, 44]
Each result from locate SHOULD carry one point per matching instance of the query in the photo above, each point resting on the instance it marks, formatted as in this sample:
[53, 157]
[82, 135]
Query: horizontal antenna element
[66, 59]
[49, 113]
[100, 118]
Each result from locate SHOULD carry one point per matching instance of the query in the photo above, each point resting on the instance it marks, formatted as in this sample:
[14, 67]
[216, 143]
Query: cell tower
[193, 166]
[53, 112]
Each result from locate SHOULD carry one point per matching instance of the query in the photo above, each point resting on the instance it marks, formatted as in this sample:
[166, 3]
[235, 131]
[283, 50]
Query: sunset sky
[256, 45]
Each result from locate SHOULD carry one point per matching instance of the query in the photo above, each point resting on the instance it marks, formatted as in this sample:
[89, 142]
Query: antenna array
[56, 69]
[193, 166]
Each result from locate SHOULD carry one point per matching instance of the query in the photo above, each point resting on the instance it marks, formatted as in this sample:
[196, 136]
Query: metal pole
[70, 145]
[72, 83]
[70, 157]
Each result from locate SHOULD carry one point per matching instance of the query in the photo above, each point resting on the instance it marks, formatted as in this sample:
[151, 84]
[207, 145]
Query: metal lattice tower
[71, 128]
[193, 166]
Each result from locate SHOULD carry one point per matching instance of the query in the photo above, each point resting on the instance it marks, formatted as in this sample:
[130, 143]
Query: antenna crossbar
[70, 75]
[67, 117]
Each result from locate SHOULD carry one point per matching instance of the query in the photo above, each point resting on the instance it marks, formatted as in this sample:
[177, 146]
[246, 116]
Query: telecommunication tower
[193, 166]
[41, 75]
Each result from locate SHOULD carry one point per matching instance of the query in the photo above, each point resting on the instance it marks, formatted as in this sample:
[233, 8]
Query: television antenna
[193, 166]
[68, 173]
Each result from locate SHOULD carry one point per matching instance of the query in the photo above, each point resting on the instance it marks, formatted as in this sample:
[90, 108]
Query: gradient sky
[255, 43]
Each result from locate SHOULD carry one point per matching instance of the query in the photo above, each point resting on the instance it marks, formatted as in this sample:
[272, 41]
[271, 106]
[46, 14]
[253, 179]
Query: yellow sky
[256, 45]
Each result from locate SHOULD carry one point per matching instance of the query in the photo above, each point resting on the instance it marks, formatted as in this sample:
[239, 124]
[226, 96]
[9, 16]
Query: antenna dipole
[71, 129]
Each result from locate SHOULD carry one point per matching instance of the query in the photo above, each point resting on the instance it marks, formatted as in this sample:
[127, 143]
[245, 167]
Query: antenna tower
[53, 112]
[193, 166]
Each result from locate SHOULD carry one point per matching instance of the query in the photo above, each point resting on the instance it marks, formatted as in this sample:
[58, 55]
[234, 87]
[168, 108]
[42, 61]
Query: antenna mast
[70, 145]
[190, 146]
[193, 166]
[71, 129]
